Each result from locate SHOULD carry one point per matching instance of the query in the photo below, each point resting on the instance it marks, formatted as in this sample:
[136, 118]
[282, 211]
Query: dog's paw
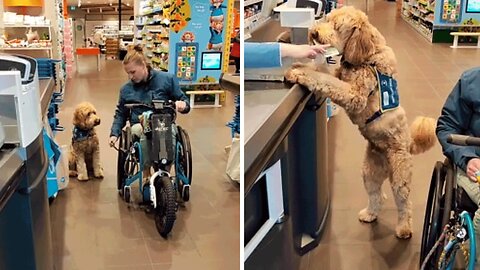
[82, 177]
[403, 231]
[365, 216]
[99, 173]
[299, 65]
[296, 75]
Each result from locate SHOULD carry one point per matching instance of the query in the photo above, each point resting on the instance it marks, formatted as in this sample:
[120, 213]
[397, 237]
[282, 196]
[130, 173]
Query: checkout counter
[25, 231]
[285, 166]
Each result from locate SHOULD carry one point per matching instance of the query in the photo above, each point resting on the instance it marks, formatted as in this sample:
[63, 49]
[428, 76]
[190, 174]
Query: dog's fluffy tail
[423, 134]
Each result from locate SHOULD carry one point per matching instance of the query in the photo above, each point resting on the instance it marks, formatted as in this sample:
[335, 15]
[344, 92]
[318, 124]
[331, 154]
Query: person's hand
[473, 168]
[302, 51]
[180, 105]
[112, 141]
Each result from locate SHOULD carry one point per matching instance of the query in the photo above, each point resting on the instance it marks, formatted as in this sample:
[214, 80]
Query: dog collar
[81, 134]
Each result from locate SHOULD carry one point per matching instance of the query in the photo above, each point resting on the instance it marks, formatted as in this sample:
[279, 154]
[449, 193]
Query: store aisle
[427, 72]
[94, 229]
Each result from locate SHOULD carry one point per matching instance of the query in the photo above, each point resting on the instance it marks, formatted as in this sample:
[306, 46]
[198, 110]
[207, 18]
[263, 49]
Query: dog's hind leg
[400, 164]
[72, 164]
[374, 174]
[97, 166]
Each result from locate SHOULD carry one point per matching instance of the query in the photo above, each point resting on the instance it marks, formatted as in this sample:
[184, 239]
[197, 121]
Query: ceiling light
[79, 3]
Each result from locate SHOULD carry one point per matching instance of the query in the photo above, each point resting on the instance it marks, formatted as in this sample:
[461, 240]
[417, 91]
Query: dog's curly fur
[85, 154]
[391, 142]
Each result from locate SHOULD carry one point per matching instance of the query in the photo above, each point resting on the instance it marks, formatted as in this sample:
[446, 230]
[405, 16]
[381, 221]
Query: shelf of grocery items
[152, 31]
[112, 48]
[422, 30]
[420, 15]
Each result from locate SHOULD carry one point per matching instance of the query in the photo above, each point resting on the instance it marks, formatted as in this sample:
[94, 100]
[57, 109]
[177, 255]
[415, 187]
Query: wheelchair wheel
[185, 157]
[184, 164]
[166, 206]
[123, 168]
[437, 212]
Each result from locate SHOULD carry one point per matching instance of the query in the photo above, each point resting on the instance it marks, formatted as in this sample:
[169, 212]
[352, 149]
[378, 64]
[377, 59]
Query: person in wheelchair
[145, 85]
[461, 115]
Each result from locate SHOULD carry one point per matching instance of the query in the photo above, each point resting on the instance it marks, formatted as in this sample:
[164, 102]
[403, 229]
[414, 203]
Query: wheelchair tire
[186, 156]
[124, 144]
[165, 212]
[186, 193]
[437, 213]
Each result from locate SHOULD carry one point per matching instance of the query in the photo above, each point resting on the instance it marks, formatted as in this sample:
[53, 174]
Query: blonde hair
[135, 55]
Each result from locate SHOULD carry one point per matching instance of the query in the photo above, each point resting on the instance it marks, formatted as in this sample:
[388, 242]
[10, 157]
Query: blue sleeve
[262, 55]
[120, 117]
[455, 119]
[178, 94]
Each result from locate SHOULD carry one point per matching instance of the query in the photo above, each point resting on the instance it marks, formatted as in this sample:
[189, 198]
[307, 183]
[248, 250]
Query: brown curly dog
[355, 87]
[84, 150]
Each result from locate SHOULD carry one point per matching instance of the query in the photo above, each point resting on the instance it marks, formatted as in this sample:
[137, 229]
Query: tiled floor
[427, 72]
[94, 229]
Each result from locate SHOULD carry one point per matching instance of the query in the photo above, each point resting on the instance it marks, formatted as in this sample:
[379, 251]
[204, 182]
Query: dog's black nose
[97, 122]
[314, 35]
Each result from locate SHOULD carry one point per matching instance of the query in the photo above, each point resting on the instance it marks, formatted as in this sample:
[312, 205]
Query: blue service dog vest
[388, 94]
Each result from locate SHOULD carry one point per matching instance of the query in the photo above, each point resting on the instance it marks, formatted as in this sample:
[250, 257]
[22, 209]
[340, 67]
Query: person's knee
[137, 130]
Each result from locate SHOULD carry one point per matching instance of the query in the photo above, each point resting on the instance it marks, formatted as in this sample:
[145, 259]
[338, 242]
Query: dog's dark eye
[90, 113]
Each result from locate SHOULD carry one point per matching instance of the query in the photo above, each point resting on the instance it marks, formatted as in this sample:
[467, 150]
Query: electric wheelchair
[448, 217]
[168, 145]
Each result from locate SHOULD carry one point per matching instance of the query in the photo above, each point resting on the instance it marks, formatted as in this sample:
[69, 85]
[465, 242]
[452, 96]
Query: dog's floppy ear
[77, 118]
[359, 46]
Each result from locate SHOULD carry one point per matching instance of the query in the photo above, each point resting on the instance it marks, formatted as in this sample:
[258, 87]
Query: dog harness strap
[80, 134]
[376, 115]
[388, 94]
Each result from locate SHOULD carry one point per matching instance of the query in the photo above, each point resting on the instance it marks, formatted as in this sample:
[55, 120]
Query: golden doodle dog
[364, 86]
[84, 150]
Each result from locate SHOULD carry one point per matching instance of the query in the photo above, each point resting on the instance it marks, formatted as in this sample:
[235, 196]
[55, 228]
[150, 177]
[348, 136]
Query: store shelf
[152, 31]
[418, 28]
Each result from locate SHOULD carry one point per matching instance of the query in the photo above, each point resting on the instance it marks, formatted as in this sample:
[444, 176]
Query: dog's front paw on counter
[295, 75]
[98, 174]
[82, 177]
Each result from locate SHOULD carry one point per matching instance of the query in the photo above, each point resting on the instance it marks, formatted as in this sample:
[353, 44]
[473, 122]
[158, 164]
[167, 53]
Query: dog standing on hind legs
[84, 150]
[364, 86]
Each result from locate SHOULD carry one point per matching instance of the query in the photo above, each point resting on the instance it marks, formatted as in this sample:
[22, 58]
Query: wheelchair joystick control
[477, 175]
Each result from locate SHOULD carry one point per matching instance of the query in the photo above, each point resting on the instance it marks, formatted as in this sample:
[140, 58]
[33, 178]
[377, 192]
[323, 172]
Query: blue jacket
[262, 55]
[461, 115]
[159, 86]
